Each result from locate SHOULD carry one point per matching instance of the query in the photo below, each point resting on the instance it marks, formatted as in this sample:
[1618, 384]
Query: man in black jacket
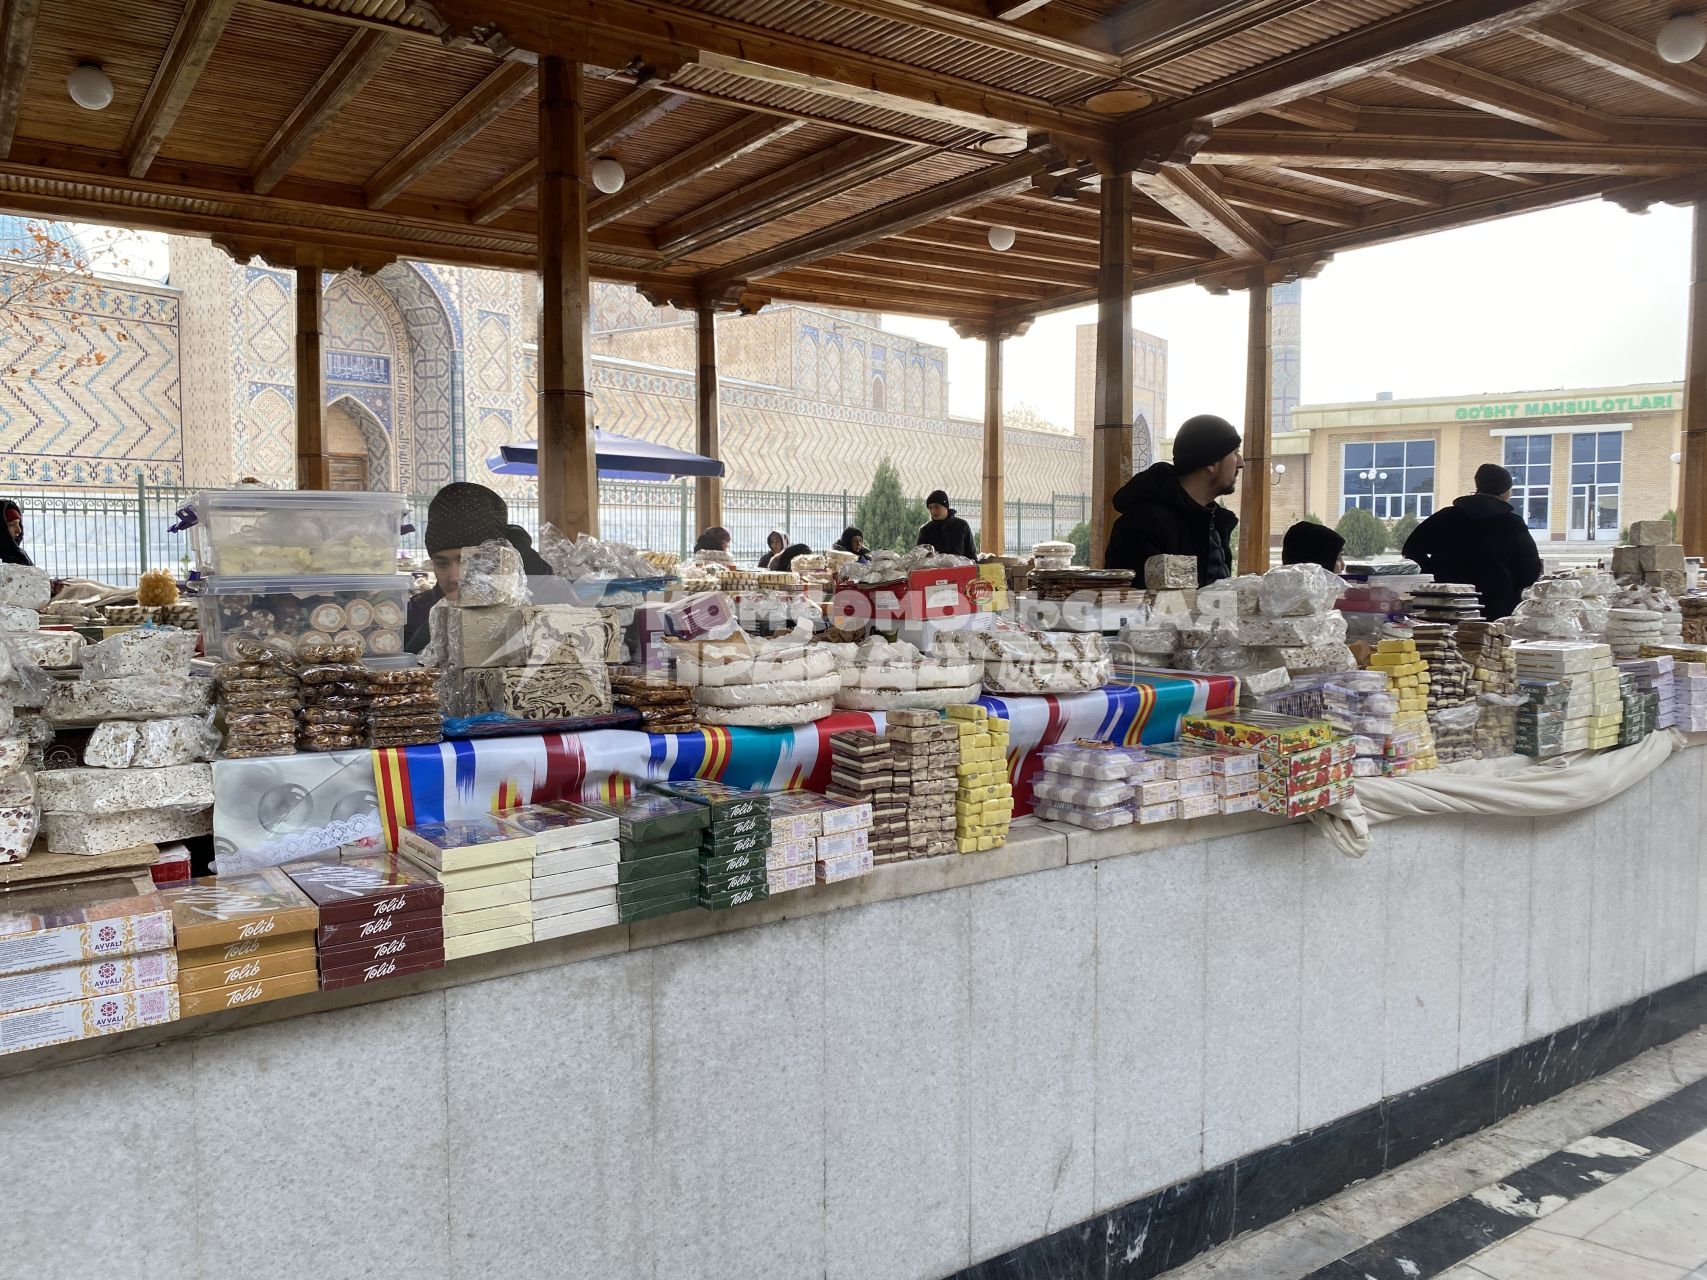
[1170, 509]
[944, 531]
[1480, 539]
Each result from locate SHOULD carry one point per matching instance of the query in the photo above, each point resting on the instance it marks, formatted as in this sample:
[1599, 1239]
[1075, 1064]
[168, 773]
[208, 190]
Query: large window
[1597, 477]
[1530, 461]
[1392, 478]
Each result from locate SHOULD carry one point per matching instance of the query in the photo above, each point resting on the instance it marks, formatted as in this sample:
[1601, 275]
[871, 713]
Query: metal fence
[113, 535]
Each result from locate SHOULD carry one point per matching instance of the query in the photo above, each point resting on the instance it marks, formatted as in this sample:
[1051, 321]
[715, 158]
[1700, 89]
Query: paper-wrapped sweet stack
[1593, 711]
[1656, 675]
[889, 675]
[1091, 784]
[1021, 661]
[84, 959]
[576, 865]
[1389, 731]
[797, 820]
[664, 705]
[1654, 557]
[742, 680]
[926, 754]
[984, 801]
[733, 844]
[486, 869]
[862, 771]
[243, 940]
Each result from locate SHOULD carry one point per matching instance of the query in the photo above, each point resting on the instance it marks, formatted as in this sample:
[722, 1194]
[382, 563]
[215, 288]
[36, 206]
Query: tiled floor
[1605, 1182]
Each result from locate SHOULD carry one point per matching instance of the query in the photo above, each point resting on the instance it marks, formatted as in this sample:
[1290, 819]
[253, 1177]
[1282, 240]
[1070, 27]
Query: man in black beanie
[1171, 509]
[946, 532]
[1307, 543]
[1480, 539]
[460, 515]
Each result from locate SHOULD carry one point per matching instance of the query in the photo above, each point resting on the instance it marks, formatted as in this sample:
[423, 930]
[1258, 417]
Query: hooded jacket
[1159, 518]
[950, 537]
[1479, 539]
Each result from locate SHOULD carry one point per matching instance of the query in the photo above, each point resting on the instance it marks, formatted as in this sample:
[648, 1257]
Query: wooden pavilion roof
[848, 152]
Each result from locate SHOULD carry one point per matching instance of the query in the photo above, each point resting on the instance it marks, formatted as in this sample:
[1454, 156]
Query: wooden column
[1692, 485]
[312, 471]
[1254, 484]
[707, 490]
[992, 535]
[1111, 438]
[568, 476]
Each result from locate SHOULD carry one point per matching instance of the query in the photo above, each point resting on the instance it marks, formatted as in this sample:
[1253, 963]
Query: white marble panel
[1256, 928]
[1617, 901]
[1494, 973]
[1345, 942]
[739, 1080]
[896, 1159]
[1671, 841]
[1033, 1040]
[550, 1092]
[99, 1169]
[1151, 961]
[1425, 905]
[1563, 871]
[289, 1114]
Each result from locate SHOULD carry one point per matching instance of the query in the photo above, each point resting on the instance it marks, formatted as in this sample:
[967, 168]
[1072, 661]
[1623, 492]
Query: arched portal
[354, 436]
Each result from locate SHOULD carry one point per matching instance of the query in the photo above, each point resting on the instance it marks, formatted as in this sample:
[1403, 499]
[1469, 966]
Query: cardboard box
[574, 881]
[561, 824]
[352, 932]
[221, 909]
[82, 981]
[508, 916]
[244, 994]
[80, 1019]
[380, 970]
[463, 843]
[561, 926]
[277, 965]
[396, 947]
[365, 888]
[89, 920]
[232, 952]
[565, 904]
[474, 944]
[581, 858]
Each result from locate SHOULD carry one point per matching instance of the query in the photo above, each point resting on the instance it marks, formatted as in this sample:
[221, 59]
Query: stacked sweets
[486, 869]
[926, 752]
[576, 863]
[797, 820]
[664, 706]
[369, 906]
[1541, 720]
[1304, 765]
[1452, 708]
[242, 940]
[1091, 784]
[660, 839]
[1444, 602]
[1389, 737]
[1486, 646]
[1237, 774]
[335, 695]
[862, 771]
[1593, 711]
[1196, 793]
[733, 845]
[1396, 657]
[1641, 710]
[984, 802]
[1653, 557]
[83, 959]
[844, 848]
[1657, 676]
[403, 707]
[1689, 692]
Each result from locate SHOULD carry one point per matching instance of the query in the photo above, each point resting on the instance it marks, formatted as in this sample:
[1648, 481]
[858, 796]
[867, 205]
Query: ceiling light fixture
[90, 87]
[1118, 102]
[608, 175]
[1001, 238]
[1003, 144]
[1682, 38]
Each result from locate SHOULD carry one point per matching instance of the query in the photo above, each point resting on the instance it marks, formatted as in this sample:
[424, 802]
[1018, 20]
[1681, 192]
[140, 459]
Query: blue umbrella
[619, 458]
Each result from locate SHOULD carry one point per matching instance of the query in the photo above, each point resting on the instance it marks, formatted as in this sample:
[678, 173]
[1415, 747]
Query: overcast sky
[1582, 296]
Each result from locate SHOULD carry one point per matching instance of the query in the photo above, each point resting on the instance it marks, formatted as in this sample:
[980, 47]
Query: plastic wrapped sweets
[24, 586]
[176, 740]
[145, 651]
[520, 635]
[184, 786]
[102, 833]
[76, 702]
[556, 692]
[48, 648]
[492, 574]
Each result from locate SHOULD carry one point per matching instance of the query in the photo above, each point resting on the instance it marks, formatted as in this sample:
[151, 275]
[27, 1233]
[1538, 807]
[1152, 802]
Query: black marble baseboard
[1169, 1227]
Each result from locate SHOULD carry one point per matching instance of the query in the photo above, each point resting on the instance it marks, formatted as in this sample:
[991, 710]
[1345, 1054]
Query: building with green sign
[1584, 463]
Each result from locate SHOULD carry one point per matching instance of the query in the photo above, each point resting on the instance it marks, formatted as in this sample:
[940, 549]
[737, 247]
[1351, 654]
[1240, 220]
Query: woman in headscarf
[775, 543]
[12, 534]
[852, 540]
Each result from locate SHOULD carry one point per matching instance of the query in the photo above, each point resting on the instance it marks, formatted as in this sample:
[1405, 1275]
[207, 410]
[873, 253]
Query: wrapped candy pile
[885, 675]
[746, 681]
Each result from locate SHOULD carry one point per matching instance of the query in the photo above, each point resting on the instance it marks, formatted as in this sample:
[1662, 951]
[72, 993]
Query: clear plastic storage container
[371, 609]
[272, 532]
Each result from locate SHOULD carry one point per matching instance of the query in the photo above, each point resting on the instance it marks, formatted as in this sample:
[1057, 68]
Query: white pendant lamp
[1681, 39]
[1001, 238]
[608, 175]
[90, 87]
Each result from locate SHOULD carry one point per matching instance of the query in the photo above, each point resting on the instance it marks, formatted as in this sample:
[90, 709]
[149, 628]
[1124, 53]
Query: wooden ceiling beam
[1323, 67]
[480, 106]
[1150, 32]
[1014, 10]
[628, 116]
[835, 295]
[954, 233]
[929, 205]
[746, 135]
[1060, 227]
[973, 21]
[1285, 203]
[343, 79]
[1480, 91]
[1294, 148]
[839, 168]
[1606, 47]
[17, 34]
[899, 271]
[199, 28]
[1197, 201]
[1319, 112]
[991, 266]
[1403, 187]
[667, 33]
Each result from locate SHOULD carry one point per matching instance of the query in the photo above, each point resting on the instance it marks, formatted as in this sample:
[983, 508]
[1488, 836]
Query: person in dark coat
[946, 532]
[12, 534]
[460, 515]
[716, 538]
[785, 559]
[533, 564]
[1171, 509]
[775, 545]
[1480, 539]
[1307, 543]
[853, 542]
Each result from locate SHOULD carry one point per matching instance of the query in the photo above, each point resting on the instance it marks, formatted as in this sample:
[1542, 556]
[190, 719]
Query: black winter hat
[1202, 442]
[937, 498]
[465, 515]
[1307, 543]
[1492, 478]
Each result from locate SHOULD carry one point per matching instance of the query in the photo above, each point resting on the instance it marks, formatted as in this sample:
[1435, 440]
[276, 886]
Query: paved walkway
[1605, 1182]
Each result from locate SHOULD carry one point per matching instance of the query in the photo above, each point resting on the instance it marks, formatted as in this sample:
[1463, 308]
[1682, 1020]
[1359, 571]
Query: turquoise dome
[15, 234]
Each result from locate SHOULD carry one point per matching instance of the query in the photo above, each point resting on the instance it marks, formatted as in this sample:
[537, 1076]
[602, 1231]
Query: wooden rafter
[915, 210]
[198, 31]
[354, 66]
[1198, 202]
[1285, 203]
[1480, 91]
[1319, 112]
[902, 272]
[723, 147]
[1622, 54]
[836, 169]
[972, 20]
[17, 33]
[992, 266]
[1151, 32]
[1404, 187]
[1294, 148]
[955, 233]
[480, 106]
[1014, 10]
[630, 115]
